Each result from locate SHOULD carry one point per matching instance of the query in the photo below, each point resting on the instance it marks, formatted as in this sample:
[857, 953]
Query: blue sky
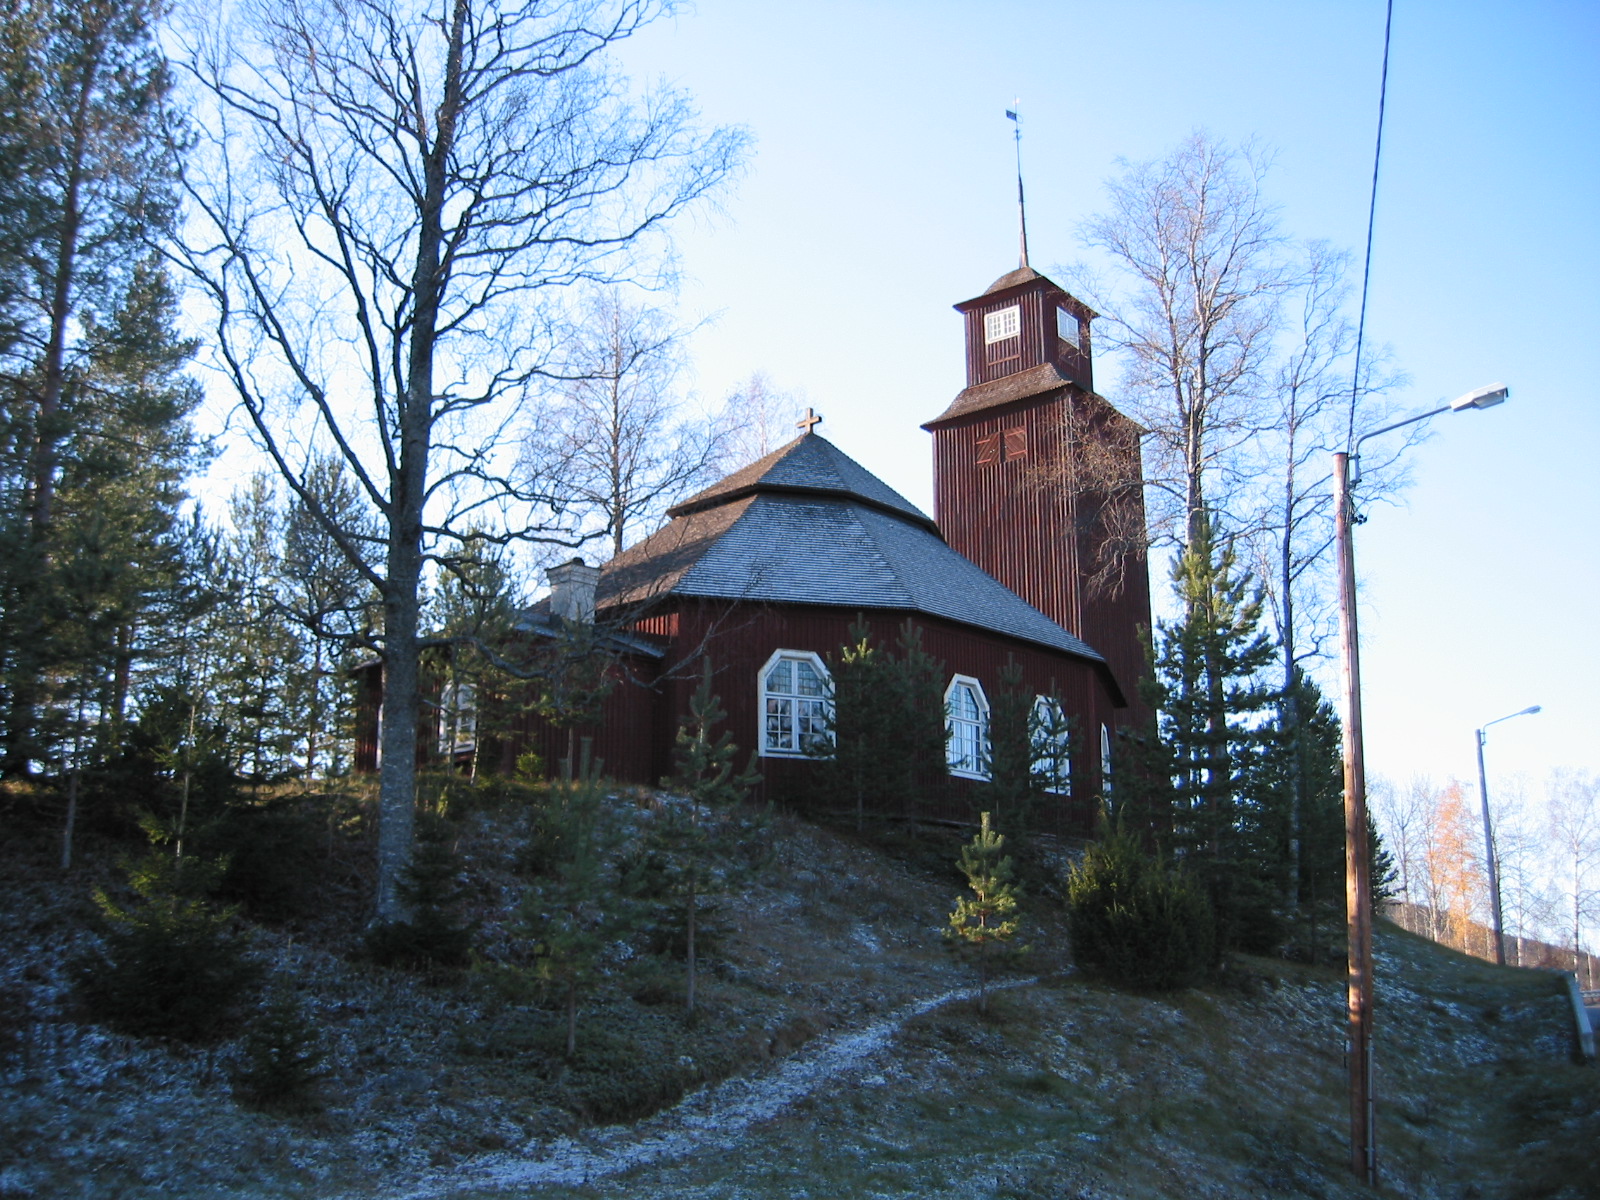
[881, 193]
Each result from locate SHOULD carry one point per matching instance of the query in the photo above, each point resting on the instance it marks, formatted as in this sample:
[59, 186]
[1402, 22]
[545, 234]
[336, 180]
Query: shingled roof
[811, 466]
[1024, 385]
[809, 525]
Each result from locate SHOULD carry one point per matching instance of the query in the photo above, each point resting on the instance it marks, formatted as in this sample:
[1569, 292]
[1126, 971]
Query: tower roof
[809, 465]
[1012, 279]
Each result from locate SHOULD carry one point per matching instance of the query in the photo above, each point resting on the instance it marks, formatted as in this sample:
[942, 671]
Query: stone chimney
[572, 587]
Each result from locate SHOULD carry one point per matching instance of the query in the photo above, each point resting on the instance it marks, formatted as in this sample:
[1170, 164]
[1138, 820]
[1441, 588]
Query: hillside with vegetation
[835, 1048]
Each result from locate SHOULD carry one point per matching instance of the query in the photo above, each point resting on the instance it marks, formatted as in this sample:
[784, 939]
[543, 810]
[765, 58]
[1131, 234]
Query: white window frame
[458, 718]
[954, 758]
[1068, 328]
[1105, 760]
[1051, 758]
[1002, 325]
[821, 706]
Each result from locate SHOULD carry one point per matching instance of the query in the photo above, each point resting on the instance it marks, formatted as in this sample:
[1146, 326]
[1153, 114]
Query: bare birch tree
[613, 438]
[756, 419]
[1313, 402]
[1573, 813]
[1206, 271]
[1527, 903]
[393, 192]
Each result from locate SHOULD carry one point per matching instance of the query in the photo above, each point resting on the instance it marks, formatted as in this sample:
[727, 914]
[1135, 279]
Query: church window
[458, 718]
[988, 449]
[1051, 739]
[1105, 761]
[1003, 325]
[796, 705]
[966, 724]
[1016, 443]
[1067, 329]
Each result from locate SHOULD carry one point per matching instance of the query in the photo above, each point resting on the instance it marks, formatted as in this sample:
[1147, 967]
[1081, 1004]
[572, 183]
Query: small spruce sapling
[579, 908]
[171, 963]
[283, 1056]
[697, 844]
[1012, 786]
[988, 917]
[434, 936]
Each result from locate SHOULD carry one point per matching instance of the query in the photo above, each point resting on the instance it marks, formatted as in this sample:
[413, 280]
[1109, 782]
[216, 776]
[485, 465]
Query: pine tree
[581, 905]
[698, 844]
[1215, 720]
[854, 768]
[88, 129]
[884, 749]
[434, 935]
[1013, 731]
[988, 917]
[1137, 920]
[1296, 830]
[917, 745]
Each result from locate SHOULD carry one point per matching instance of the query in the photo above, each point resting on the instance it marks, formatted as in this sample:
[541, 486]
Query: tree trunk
[71, 821]
[408, 493]
[689, 1003]
[397, 748]
[47, 434]
[572, 1019]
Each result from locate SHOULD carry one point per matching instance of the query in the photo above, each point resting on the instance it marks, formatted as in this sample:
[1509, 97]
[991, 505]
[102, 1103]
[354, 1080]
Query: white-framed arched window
[1051, 739]
[796, 704]
[966, 724]
[1105, 761]
[458, 718]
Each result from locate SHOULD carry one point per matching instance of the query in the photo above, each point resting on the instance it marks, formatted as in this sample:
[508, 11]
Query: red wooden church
[766, 571]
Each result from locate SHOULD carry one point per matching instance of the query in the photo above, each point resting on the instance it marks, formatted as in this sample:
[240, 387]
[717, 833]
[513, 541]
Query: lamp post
[1357, 875]
[1489, 855]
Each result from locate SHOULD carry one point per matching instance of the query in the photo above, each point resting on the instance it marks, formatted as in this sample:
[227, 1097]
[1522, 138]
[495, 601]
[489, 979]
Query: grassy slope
[1069, 1090]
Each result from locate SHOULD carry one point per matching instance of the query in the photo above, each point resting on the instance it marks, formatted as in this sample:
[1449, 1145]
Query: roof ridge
[808, 465]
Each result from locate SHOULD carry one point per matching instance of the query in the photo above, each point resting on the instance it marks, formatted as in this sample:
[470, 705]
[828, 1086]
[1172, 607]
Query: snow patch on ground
[713, 1118]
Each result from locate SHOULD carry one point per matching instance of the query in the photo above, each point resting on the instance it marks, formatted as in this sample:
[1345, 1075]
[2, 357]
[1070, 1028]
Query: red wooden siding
[1037, 342]
[1011, 516]
[635, 738]
[623, 742]
[740, 639]
[624, 739]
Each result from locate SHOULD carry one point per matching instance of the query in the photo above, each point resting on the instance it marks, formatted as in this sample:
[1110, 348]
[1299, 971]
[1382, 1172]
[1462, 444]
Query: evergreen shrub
[283, 1055]
[170, 964]
[1246, 908]
[1137, 921]
[435, 936]
[274, 867]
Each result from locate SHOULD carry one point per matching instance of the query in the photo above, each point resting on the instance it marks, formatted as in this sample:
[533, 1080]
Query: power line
[1372, 213]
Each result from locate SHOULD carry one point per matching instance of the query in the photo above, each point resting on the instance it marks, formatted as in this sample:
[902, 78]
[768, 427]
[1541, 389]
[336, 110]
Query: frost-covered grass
[838, 1054]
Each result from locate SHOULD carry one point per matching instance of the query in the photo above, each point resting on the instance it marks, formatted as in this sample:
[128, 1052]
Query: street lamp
[1357, 877]
[1488, 837]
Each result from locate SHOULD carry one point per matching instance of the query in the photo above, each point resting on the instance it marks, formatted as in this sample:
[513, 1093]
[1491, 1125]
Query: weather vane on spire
[1014, 115]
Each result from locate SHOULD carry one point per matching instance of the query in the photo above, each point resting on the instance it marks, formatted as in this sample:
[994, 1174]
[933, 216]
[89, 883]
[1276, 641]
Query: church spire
[1014, 114]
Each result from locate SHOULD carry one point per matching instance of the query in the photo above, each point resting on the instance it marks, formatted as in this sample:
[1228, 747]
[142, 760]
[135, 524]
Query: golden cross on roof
[808, 422]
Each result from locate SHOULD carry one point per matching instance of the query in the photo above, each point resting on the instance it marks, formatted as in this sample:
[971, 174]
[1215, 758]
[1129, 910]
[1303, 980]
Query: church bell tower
[1037, 478]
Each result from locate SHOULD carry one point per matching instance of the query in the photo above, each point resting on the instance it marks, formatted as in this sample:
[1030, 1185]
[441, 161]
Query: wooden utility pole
[1489, 858]
[1357, 876]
